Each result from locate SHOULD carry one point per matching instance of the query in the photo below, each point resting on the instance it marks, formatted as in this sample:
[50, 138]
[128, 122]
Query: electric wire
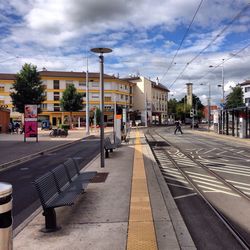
[184, 37]
[210, 43]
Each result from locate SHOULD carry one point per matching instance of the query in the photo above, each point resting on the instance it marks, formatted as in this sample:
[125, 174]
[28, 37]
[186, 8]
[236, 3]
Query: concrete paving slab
[99, 219]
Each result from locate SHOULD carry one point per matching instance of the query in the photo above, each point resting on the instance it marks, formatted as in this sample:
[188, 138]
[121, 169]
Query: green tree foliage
[98, 116]
[28, 88]
[181, 110]
[71, 100]
[235, 98]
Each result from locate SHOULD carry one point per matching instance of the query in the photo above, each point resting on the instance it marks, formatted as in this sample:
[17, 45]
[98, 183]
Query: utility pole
[87, 100]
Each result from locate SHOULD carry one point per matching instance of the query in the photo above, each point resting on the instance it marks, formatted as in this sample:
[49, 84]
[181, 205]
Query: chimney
[157, 81]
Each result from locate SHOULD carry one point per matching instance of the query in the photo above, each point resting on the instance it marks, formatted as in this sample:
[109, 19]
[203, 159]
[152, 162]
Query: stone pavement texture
[101, 217]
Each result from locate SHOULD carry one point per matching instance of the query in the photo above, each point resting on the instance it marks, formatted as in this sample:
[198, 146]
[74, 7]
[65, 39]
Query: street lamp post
[208, 103]
[101, 51]
[223, 94]
[87, 100]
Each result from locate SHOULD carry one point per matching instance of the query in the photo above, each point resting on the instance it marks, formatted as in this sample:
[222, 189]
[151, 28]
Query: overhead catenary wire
[211, 42]
[184, 37]
[227, 59]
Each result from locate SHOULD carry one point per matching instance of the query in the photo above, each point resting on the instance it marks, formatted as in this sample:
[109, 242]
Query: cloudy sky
[174, 40]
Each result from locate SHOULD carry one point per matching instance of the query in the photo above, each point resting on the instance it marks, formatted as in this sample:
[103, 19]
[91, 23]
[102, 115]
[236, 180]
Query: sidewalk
[119, 212]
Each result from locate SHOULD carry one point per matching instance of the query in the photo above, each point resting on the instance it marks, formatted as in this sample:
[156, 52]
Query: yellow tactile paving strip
[141, 233]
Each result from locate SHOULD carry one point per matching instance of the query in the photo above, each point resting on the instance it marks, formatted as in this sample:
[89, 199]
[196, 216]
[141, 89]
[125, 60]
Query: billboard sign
[30, 121]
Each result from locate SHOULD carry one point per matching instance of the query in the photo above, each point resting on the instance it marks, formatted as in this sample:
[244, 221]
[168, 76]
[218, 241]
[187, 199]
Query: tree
[235, 98]
[28, 88]
[71, 101]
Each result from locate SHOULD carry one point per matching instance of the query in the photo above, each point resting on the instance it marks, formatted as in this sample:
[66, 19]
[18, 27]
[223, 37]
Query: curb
[183, 236]
[32, 156]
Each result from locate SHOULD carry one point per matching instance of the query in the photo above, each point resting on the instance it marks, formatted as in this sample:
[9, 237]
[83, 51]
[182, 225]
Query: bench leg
[50, 221]
[111, 150]
[106, 153]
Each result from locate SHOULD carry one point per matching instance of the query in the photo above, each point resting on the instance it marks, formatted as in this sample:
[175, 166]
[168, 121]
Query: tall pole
[87, 100]
[102, 111]
[114, 126]
[223, 97]
[101, 59]
[209, 105]
[146, 117]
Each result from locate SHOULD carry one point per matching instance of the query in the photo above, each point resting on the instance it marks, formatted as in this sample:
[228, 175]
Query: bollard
[5, 216]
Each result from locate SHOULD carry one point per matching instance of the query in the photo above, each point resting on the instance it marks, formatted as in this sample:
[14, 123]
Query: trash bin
[5, 216]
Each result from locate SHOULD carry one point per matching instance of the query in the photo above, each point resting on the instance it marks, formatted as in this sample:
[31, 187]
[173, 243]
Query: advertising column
[30, 121]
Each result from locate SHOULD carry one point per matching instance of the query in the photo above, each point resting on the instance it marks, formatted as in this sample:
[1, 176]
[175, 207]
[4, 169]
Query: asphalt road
[25, 199]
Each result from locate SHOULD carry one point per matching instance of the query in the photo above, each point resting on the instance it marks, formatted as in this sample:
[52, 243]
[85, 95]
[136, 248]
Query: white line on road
[209, 151]
[184, 196]
[175, 185]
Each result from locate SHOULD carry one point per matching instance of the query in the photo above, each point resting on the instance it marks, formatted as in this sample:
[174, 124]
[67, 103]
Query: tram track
[184, 163]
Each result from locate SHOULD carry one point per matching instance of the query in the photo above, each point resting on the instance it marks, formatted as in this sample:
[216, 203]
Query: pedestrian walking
[178, 127]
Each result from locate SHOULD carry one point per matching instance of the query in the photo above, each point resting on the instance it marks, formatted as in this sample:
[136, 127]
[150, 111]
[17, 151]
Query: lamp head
[101, 50]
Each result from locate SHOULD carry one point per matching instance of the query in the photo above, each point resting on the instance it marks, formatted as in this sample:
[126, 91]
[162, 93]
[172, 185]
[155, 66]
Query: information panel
[30, 121]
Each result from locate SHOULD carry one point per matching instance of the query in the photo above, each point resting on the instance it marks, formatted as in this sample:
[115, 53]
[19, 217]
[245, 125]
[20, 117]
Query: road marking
[212, 184]
[220, 153]
[230, 172]
[209, 151]
[217, 191]
[241, 183]
[203, 175]
[184, 196]
[175, 185]
[205, 179]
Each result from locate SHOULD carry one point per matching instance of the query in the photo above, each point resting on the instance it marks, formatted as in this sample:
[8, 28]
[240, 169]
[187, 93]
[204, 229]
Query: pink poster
[30, 129]
[30, 121]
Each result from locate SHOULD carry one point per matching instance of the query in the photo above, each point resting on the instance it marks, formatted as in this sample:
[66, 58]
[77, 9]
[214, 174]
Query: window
[44, 106]
[1, 88]
[122, 97]
[126, 87]
[82, 84]
[56, 84]
[56, 96]
[69, 83]
[247, 89]
[107, 98]
[247, 100]
[95, 84]
[130, 100]
[95, 96]
[56, 107]
[130, 90]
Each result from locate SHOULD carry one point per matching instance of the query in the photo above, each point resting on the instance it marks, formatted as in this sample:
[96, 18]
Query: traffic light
[191, 112]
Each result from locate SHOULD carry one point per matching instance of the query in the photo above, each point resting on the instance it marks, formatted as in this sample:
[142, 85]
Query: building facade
[150, 100]
[116, 92]
[246, 91]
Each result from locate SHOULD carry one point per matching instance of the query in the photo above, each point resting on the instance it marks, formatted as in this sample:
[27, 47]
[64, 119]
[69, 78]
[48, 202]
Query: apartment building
[116, 91]
[150, 100]
[246, 91]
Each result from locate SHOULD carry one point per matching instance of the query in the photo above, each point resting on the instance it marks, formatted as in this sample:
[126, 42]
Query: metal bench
[60, 187]
[108, 146]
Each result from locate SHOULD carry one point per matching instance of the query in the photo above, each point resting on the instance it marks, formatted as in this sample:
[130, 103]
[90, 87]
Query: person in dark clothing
[178, 127]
